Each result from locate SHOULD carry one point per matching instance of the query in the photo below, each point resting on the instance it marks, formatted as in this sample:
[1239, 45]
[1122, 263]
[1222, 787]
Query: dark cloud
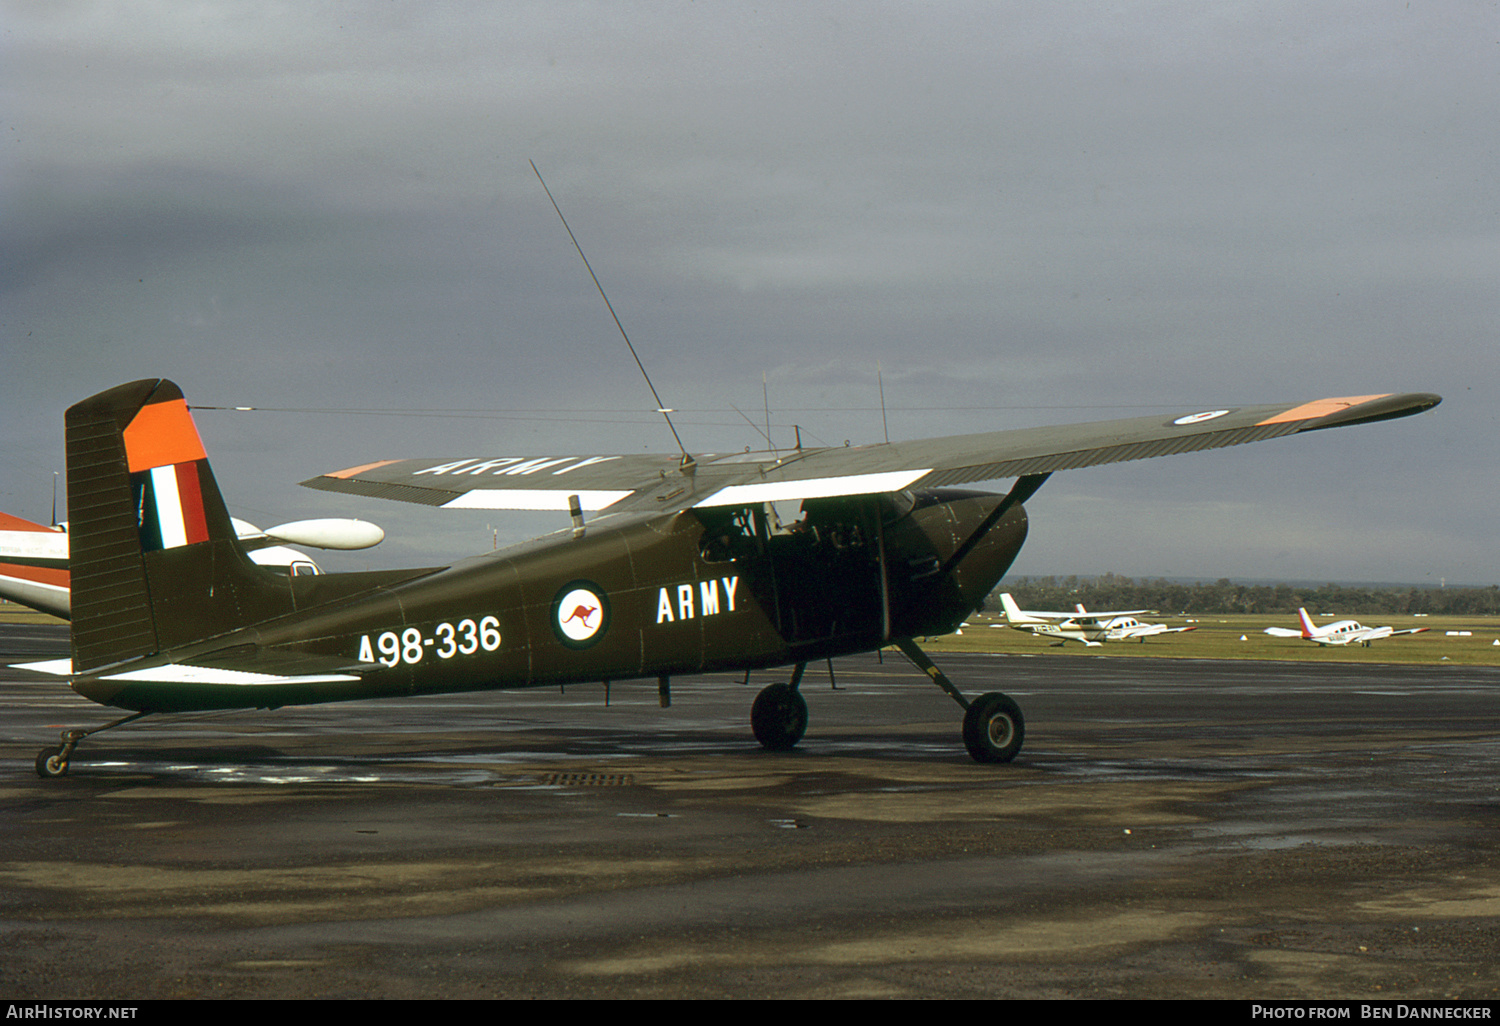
[1026, 213]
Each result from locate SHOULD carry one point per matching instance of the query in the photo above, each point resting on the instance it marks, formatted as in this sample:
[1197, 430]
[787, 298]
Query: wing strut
[885, 580]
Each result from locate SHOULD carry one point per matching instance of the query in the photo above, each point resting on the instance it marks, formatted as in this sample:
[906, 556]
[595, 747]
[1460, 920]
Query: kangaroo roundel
[580, 614]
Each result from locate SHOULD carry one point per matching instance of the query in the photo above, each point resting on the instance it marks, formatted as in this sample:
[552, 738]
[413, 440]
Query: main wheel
[994, 728]
[779, 717]
[50, 763]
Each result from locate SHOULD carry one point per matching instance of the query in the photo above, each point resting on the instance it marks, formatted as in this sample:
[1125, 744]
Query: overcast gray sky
[1027, 213]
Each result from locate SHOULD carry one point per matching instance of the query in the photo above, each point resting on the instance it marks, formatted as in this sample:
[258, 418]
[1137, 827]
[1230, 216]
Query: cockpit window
[729, 534]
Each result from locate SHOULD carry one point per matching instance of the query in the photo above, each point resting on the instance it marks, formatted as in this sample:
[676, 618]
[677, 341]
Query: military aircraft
[34, 557]
[1340, 632]
[1092, 629]
[689, 570]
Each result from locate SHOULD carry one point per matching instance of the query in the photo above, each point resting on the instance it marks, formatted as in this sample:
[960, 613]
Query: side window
[727, 535]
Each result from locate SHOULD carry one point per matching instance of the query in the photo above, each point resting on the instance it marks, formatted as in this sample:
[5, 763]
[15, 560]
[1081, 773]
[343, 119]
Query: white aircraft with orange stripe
[1340, 632]
[34, 557]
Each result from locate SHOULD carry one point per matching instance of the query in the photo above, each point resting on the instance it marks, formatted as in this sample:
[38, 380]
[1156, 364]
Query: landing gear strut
[53, 762]
[994, 728]
[779, 715]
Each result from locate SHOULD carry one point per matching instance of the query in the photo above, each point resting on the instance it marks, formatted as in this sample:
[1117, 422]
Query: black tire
[994, 728]
[50, 763]
[779, 717]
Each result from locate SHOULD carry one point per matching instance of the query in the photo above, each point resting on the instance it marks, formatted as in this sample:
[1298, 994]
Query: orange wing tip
[1319, 408]
[162, 434]
[344, 475]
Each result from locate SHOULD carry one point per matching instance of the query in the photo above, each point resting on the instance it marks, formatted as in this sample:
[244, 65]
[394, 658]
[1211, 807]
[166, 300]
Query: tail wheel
[779, 717]
[994, 728]
[50, 763]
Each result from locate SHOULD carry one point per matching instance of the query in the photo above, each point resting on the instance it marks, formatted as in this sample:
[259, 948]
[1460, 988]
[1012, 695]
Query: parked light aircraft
[1340, 632]
[1092, 629]
[34, 557]
[689, 570]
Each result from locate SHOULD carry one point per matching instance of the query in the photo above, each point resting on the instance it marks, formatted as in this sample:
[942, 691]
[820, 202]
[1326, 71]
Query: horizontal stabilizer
[232, 678]
[185, 673]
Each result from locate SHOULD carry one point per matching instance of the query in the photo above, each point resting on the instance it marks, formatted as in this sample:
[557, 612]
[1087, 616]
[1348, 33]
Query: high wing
[1017, 616]
[1100, 621]
[668, 484]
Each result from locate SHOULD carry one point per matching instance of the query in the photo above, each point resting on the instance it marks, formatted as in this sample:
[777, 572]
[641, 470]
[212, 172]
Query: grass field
[1217, 637]
[1244, 637]
[12, 613]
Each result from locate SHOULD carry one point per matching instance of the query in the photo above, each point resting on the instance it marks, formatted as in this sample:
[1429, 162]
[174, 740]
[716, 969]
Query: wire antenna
[880, 380]
[756, 427]
[687, 461]
[765, 398]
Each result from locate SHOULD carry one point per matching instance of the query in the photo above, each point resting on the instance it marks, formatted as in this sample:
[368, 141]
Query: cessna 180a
[689, 571]
[1093, 629]
[34, 557]
[1340, 632]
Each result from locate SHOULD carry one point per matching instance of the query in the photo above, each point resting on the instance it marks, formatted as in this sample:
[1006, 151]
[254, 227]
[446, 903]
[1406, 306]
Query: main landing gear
[779, 715]
[994, 728]
[993, 725]
[53, 762]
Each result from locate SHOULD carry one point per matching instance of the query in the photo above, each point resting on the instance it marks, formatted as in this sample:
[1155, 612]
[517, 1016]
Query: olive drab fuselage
[691, 571]
[646, 596]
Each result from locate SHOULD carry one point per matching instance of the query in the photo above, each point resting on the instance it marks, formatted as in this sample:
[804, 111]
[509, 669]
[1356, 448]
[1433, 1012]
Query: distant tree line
[1111, 591]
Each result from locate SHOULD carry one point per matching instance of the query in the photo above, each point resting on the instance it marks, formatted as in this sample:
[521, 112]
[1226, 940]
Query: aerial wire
[765, 398]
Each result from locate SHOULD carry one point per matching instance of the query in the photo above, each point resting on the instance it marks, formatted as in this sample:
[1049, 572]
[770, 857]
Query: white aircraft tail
[1013, 613]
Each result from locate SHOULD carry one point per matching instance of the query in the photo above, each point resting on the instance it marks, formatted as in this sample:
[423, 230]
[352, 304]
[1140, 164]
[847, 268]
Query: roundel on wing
[580, 614]
[1199, 418]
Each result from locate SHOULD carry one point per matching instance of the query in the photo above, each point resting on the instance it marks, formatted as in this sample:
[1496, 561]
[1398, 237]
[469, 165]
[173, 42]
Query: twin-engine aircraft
[1340, 632]
[1092, 629]
[34, 557]
[689, 570]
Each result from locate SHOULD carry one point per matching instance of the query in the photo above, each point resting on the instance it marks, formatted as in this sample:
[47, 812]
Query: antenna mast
[661, 408]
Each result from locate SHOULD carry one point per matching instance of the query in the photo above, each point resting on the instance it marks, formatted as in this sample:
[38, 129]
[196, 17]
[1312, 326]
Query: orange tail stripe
[162, 434]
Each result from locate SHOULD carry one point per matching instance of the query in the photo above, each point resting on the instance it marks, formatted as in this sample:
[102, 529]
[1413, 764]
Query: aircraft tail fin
[1013, 612]
[14, 523]
[154, 559]
[1308, 630]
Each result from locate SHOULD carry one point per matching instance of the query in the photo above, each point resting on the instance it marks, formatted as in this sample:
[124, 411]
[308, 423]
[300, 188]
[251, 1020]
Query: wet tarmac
[1172, 829]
